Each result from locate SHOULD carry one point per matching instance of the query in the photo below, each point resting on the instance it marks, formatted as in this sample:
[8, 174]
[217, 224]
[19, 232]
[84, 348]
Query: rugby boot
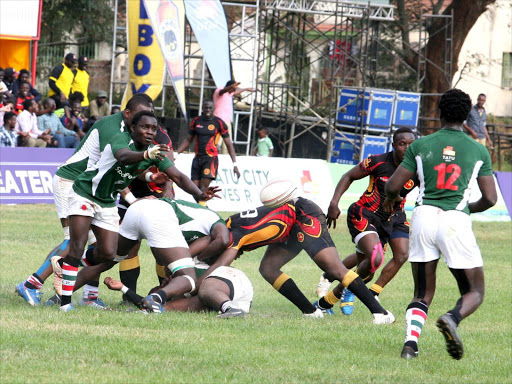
[448, 328]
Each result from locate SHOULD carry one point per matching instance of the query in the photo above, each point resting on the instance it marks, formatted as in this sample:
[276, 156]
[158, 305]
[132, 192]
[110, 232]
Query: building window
[506, 71]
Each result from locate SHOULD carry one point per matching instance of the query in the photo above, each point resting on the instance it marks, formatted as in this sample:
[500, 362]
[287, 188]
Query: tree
[89, 20]
[465, 14]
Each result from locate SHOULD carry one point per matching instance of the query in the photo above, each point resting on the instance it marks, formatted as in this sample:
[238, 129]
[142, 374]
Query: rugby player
[207, 129]
[370, 227]
[448, 164]
[92, 200]
[227, 290]
[87, 153]
[297, 225]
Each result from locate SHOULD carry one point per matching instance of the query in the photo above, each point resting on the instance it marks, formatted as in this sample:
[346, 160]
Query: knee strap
[119, 258]
[377, 249]
[180, 264]
[192, 283]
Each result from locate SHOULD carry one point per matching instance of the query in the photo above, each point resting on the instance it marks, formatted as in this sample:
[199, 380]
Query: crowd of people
[62, 119]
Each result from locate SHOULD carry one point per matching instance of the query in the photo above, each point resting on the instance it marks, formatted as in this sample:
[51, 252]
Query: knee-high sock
[287, 287]
[415, 318]
[129, 271]
[69, 272]
[91, 291]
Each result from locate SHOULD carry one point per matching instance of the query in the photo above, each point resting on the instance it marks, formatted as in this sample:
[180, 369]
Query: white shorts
[243, 291]
[106, 218]
[61, 190]
[434, 231]
[155, 221]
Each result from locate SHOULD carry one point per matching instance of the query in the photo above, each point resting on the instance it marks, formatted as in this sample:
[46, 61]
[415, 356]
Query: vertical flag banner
[146, 64]
[168, 20]
[208, 21]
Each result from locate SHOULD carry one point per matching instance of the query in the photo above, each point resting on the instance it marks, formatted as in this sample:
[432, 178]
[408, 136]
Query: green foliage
[274, 344]
[90, 20]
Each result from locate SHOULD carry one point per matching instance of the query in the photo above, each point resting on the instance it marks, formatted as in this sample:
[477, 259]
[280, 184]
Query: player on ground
[448, 164]
[88, 152]
[296, 225]
[207, 129]
[92, 200]
[370, 227]
[227, 290]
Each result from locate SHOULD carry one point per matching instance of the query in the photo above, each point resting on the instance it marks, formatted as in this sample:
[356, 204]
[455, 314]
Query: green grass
[274, 344]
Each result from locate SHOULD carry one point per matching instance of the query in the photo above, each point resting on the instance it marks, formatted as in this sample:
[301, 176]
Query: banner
[505, 183]
[168, 20]
[208, 21]
[145, 61]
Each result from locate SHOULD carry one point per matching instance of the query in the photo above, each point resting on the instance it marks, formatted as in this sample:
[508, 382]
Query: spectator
[223, 101]
[265, 146]
[25, 76]
[49, 122]
[61, 79]
[4, 91]
[29, 134]
[78, 122]
[22, 95]
[475, 123]
[6, 106]
[115, 109]
[99, 107]
[8, 136]
[81, 80]
[9, 77]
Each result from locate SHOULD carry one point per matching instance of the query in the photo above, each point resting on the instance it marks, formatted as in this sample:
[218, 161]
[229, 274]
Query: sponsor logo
[300, 237]
[384, 178]
[124, 175]
[448, 153]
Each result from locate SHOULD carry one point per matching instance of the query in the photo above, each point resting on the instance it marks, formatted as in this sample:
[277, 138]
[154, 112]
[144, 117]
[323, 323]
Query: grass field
[274, 344]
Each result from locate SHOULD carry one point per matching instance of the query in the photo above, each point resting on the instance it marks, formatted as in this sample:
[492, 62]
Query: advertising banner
[145, 61]
[168, 20]
[208, 21]
[26, 174]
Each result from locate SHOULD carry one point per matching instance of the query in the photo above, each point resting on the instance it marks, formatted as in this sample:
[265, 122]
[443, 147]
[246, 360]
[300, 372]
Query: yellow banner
[146, 64]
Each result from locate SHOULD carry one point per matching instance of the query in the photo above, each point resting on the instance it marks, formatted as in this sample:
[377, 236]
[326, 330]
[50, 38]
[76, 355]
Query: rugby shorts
[155, 221]
[61, 192]
[106, 218]
[400, 226]
[361, 221]
[450, 233]
[204, 167]
[241, 289]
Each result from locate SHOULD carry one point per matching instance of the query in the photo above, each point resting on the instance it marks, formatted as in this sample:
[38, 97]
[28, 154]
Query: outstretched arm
[188, 186]
[116, 285]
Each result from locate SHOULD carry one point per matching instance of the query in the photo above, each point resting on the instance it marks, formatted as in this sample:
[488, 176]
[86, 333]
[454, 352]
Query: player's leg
[216, 294]
[399, 243]
[370, 246]
[129, 269]
[276, 256]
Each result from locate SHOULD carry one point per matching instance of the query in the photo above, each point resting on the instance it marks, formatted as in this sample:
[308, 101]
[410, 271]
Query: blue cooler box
[407, 107]
[344, 151]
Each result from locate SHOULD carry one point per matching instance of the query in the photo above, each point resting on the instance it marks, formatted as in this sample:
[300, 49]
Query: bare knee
[400, 258]
[106, 252]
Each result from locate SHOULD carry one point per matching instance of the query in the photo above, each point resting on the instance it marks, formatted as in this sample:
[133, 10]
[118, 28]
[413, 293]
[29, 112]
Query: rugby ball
[277, 192]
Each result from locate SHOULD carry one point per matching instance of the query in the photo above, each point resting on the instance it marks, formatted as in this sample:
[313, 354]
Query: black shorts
[309, 233]
[400, 226]
[360, 219]
[204, 167]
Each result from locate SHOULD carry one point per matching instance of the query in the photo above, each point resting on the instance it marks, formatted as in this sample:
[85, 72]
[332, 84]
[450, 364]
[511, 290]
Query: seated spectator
[77, 123]
[25, 77]
[22, 95]
[29, 134]
[9, 78]
[50, 122]
[98, 108]
[115, 109]
[6, 106]
[8, 136]
[4, 91]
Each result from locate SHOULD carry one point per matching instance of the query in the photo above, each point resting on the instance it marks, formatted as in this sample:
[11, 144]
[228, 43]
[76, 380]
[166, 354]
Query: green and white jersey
[195, 220]
[447, 164]
[102, 182]
[91, 146]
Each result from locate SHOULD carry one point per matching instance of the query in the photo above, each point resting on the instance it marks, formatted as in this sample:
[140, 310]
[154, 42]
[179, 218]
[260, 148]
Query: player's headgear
[454, 106]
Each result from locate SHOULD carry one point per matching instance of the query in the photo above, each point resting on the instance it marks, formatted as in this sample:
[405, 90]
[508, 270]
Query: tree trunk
[465, 14]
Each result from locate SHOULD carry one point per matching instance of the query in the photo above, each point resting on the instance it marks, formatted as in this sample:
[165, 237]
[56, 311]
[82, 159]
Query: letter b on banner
[145, 35]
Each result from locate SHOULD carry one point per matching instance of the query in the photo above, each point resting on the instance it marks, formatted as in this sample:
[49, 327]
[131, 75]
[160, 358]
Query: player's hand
[388, 205]
[113, 284]
[332, 214]
[155, 152]
[237, 172]
[159, 178]
[210, 193]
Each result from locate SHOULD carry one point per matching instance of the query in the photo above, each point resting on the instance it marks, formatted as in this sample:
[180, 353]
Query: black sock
[130, 277]
[359, 289]
[412, 344]
[323, 304]
[455, 312]
[294, 294]
[160, 296]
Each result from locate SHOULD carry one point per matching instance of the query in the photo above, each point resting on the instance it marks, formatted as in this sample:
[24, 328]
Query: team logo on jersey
[211, 127]
[366, 162]
[409, 184]
[300, 237]
[448, 153]
[206, 171]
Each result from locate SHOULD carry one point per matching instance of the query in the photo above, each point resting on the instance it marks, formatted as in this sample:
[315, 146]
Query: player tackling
[448, 164]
